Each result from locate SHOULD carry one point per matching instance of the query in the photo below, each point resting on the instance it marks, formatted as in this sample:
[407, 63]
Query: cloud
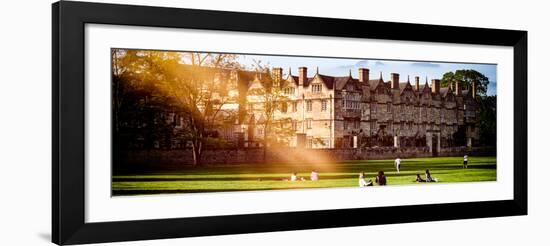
[425, 64]
[363, 63]
[345, 67]
[359, 64]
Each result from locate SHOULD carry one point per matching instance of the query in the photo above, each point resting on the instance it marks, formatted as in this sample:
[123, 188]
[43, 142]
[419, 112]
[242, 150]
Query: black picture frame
[68, 122]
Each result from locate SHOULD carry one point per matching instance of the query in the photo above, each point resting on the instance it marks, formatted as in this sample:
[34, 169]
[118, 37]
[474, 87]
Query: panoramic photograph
[197, 122]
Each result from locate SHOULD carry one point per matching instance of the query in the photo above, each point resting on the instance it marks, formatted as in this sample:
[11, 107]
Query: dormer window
[316, 88]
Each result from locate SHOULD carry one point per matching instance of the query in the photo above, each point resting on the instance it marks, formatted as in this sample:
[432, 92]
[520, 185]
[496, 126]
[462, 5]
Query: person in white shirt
[362, 181]
[397, 164]
[314, 175]
[465, 163]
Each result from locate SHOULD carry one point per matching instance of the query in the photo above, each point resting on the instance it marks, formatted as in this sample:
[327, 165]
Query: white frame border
[101, 207]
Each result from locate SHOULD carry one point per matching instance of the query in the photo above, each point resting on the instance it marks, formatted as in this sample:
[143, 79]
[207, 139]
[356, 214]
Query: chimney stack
[417, 83]
[458, 90]
[302, 75]
[277, 73]
[474, 88]
[395, 81]
[363, 75]
[435, 86]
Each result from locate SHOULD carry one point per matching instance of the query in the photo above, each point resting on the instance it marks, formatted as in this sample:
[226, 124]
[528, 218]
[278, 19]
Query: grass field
[271, 176]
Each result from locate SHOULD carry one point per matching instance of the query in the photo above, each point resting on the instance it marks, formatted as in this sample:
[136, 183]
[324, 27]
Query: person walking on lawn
[397, 163]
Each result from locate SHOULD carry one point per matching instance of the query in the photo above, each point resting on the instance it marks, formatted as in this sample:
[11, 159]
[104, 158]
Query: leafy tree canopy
[465, 78]
[488, 120]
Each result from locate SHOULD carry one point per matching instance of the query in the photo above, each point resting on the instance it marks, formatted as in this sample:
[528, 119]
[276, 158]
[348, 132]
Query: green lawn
[271, 176]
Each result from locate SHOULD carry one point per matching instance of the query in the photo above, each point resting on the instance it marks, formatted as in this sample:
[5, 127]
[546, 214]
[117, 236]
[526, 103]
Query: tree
[487, 104]
[194, 84]
[488, 120]
[202, 89]
[135, 101]
[277, 128]
[466, 78]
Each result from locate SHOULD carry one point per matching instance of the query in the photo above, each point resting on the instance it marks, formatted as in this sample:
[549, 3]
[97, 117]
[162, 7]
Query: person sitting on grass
[293, 177]
[381, 178]
[419, 179]
[362, 182]
[314, 175]
[429, 177]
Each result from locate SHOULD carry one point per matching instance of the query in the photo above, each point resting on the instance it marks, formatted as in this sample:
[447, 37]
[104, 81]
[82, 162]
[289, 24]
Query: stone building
[347, 112]
[325, 112]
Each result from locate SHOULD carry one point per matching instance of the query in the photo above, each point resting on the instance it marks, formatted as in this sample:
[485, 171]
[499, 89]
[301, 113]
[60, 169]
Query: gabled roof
[296, 80]
[293, 79]
[426, 86]
[249, 77]
[373, 83]
[255, 82]
[328, 80]
[341, 82]
[246, 75]
[424, 89]
[447, 91]
[405, 85]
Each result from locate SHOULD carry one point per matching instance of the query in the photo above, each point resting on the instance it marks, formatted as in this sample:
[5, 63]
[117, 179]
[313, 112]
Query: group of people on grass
[314, 176]
[429, 177]
[380, 179]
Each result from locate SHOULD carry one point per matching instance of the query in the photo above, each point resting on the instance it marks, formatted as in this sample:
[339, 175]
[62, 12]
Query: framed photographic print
[175, 122]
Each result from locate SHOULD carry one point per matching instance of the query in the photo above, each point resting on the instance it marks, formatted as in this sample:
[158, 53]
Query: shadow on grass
[353, 169]
[406, 170]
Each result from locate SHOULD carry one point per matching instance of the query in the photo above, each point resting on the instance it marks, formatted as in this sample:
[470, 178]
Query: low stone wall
[286, 155]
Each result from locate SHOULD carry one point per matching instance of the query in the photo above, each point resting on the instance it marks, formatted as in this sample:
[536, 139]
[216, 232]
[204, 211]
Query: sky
[342, 67]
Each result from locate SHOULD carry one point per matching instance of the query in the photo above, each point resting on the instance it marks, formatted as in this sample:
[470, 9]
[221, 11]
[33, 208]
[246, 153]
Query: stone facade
[327, 112]
[347, 112]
